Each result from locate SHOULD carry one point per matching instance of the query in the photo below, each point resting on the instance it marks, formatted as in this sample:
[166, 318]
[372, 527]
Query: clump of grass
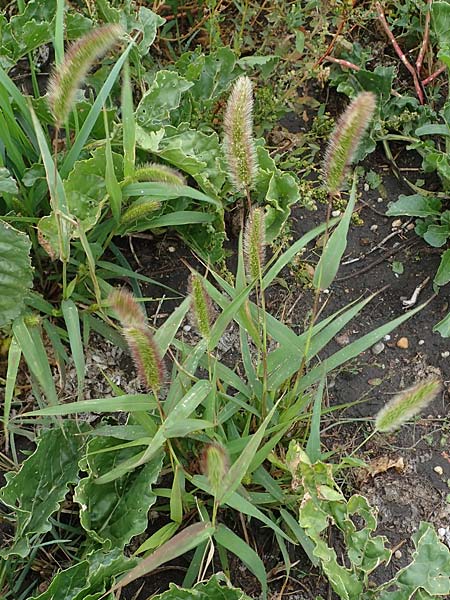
[254, 242]
[67, 77]
[202, 310]
[345, 139]
[407, 404]
[143, 348]
[239, 146]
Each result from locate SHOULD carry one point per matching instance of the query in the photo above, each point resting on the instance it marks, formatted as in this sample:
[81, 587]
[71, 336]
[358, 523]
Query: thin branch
[400, 53]
[426, 38]
[433, 76]
[343, 63]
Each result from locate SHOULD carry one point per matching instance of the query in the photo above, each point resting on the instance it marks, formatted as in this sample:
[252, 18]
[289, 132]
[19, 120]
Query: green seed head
[215, 465]
[255, 243]
[345, 139]
[146, 357]
[239, 146]
[407, 404]
[68, 77]
[139, 210]
[201, 305]
[160, 173]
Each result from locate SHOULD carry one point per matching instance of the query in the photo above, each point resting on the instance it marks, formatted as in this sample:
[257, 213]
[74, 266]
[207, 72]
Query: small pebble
[187, 328]
[442, 531]
[342, 340]
[327, 291]
[374, 227]
[171, 248]
[445, 354]
[335, 213]
[438, 469]
[387, 337]
[378, 348]
[397, 554]
[379, 200]
[366, 187]
[410, 226]
[396, 224]
[421, 342]
[403, 343]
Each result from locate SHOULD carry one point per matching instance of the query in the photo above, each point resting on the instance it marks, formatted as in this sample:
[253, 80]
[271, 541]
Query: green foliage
[37, 490]
[216, 587]
[16, 273]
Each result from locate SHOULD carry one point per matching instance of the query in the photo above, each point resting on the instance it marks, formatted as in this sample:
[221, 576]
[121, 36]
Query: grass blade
[128, 403]
[181, 543]
[129, 124]
[14, 354]
[71, 317]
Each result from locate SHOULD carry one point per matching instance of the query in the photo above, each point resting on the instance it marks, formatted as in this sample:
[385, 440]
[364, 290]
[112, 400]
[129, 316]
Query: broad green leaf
[233, 543]
[334, 249]
[16, 273]
[442, 276]
[443, 327]
[90, 578]
[37, 490]
[161, 98]
[146, 22]
[113, 513]
[440, 18]
[8, 184]
[181, 543]
[216, 588]
[415, 206]
[429, 571]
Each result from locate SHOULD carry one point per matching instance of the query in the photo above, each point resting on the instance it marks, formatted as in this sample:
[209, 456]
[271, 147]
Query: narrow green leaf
[30, 342]
[330, 260]
[159, 538]
[129, 124]
[14, 354]
[112, 185]
[233, 543]
[127, 402]
[71, 317]
[313, 445]
[176, 501]
[181, 543]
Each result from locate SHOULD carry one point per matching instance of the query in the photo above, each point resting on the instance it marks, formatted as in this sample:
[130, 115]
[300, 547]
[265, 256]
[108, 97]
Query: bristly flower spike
[407, 404]
[239, 146]
[145, 353]
[68, 77]
[345, 139]
[126, 308]
[215, 464]
[159, 173]
[255, 243]
[201, 306]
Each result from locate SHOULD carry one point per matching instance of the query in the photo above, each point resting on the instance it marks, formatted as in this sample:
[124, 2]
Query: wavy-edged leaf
[90, 578]
[112, 514]
[37, 490]
[217, 588]
[16, 273]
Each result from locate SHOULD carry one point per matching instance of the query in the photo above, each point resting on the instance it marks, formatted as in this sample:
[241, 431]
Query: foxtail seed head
[345, 139]
[140, 209]
[146, 357]
[239, 146]
[407, 404]
[215, 465]
[255, 243]
[159, 173]
[201, 305]
[67, 77]
[127, 309]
